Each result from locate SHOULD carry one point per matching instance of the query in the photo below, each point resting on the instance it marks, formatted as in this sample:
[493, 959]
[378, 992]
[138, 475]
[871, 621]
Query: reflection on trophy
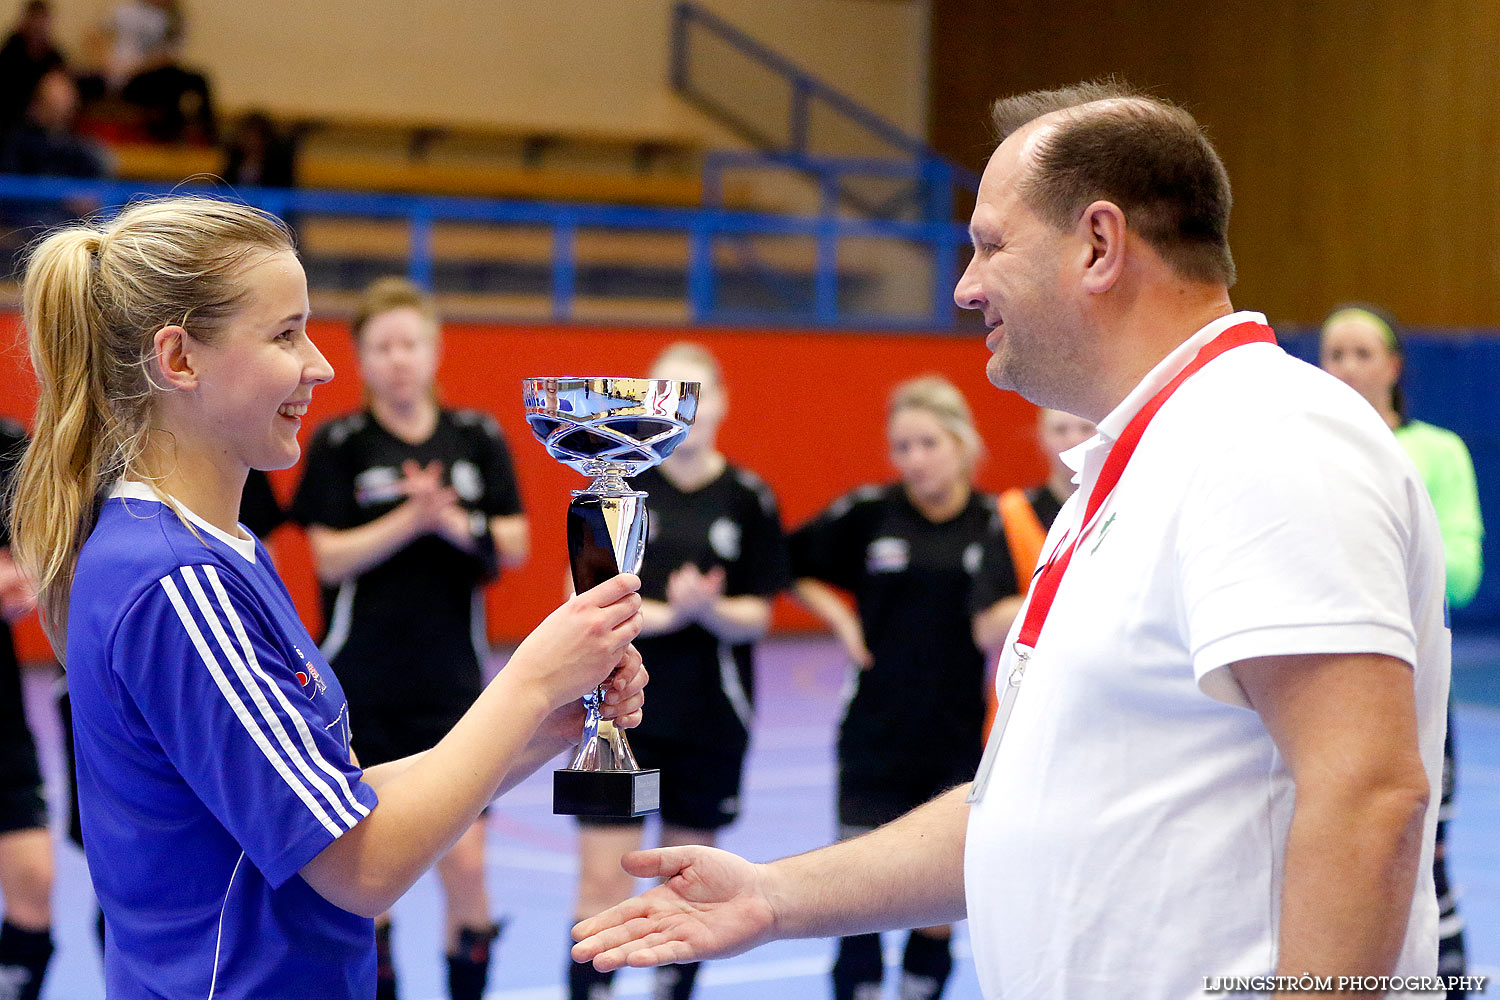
[607, 428]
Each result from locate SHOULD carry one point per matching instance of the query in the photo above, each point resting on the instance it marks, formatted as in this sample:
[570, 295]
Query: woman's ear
[171, 363]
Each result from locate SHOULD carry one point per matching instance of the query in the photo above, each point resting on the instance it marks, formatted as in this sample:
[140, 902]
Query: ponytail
[75, 445]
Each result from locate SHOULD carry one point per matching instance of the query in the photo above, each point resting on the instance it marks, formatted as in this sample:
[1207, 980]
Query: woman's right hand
[852, 638]
[575, 647]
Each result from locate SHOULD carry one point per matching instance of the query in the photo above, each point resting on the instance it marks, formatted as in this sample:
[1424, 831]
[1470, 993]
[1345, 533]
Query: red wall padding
[806, 412]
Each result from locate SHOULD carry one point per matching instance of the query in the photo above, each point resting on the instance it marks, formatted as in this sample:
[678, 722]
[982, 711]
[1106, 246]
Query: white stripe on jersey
[298, 722]
[243, 713]
[339, 621]
[729, 680]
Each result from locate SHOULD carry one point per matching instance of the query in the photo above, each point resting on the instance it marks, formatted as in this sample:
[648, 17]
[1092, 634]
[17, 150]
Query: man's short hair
[1142, 153]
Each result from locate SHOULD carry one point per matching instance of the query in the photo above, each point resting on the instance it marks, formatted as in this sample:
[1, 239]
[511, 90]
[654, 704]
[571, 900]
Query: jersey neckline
[134, 489]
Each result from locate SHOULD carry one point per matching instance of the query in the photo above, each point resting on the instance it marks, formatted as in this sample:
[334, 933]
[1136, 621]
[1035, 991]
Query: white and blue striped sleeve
[264, 752]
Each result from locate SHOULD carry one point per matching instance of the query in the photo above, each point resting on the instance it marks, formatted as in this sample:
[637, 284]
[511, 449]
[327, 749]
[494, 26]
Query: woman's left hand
[624, 696]
[625, 691]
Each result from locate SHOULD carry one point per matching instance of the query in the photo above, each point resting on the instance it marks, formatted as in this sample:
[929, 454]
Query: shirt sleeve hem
[295, 856]
[1210, 661]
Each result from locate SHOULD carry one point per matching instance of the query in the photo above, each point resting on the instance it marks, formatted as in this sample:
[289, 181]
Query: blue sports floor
[788, 808]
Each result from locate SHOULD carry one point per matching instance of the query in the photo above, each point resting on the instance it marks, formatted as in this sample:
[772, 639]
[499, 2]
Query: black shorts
[700, 782]
[382, 734]
[875, 790]
[21, 803]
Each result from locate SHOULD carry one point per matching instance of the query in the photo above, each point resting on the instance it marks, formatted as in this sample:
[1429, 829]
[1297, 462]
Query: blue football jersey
[212, 764]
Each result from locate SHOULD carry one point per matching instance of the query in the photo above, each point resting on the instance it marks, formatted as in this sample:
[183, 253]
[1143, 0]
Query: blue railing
[792, 144]
[565, 219]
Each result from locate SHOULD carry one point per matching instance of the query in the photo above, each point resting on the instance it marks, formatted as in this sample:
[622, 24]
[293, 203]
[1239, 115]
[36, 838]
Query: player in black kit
[410, 510]
[908, 552]
[25, 847]
[714, 561]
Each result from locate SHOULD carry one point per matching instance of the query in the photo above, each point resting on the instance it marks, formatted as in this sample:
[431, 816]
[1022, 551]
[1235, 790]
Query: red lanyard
[1044, 589]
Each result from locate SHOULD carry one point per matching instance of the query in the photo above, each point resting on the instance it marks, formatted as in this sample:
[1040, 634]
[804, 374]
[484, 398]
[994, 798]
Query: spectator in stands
[44, 141]
[28, 54]
[259, 153]
[1361, 345]
[143, 66]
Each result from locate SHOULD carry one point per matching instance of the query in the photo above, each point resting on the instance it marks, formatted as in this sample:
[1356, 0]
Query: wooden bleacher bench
[407, 156]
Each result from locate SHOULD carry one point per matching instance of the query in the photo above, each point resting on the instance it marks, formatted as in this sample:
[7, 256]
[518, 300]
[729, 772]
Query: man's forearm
[1351, 867]
[908, 873]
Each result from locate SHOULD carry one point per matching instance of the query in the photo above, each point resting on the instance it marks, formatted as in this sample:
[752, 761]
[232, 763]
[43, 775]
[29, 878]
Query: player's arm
[1346, 725]
[825, 602]
[341, 554]
[427, 805]
[512, 537]
[908, 873]
[743, 618]
[992, 625]
[559, 732]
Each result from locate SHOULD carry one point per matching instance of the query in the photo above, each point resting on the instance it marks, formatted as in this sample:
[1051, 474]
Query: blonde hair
[93, 297]
[687, 352]
[941, 398]
[385, 294]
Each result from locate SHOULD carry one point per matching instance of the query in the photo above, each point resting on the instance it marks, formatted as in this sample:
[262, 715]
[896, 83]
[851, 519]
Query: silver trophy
[609, 429]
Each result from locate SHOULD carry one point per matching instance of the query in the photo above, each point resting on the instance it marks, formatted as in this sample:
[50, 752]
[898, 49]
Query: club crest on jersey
[887, 555]
[724, 537]
[381, 484]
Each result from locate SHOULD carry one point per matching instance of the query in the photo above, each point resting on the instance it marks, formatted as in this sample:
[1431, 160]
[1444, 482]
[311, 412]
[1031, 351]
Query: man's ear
[1102, 228]
[171, 363]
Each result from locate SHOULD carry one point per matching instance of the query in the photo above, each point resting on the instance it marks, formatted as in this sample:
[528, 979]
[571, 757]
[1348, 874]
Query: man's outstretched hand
[712, 904]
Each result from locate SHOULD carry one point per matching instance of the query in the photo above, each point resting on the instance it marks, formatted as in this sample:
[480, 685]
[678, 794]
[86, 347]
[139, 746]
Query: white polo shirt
[1131, 839]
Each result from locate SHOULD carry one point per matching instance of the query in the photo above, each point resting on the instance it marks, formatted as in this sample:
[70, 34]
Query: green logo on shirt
[1102, 529]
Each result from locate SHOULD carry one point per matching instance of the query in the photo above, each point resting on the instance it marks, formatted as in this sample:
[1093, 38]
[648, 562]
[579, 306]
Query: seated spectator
[28, 54]
[143, 67]
[259, 153]
[44, 141]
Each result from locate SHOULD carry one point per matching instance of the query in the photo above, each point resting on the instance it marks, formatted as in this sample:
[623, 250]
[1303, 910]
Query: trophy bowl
[611, 427]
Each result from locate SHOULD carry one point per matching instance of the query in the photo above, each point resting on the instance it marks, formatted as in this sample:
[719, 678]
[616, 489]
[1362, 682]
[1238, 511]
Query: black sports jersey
[997, 575]
[20, 804]
[260, 511]
[702, 688]
[409, 631]
[911, 580]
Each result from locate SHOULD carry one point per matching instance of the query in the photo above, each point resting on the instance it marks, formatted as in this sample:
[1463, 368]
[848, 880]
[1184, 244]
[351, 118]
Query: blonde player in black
[411, 508]
[908, 552]
[714, 561]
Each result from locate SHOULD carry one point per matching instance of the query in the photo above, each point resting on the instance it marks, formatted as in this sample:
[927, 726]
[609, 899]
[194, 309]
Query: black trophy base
[612, 794]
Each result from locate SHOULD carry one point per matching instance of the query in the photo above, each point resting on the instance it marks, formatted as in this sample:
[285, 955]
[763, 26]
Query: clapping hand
[692, 593]
[17, 594]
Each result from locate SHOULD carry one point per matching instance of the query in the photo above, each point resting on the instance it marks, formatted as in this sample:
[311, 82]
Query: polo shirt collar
[1113, 425]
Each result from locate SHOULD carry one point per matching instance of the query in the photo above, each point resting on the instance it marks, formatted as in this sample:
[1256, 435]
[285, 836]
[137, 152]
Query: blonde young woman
[411, 508]
[237, 848]
[715, 561]
[908, 552]
[1361, 346]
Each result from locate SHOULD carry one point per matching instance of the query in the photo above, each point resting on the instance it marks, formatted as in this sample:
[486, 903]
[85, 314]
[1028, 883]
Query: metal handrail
[701, 225]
